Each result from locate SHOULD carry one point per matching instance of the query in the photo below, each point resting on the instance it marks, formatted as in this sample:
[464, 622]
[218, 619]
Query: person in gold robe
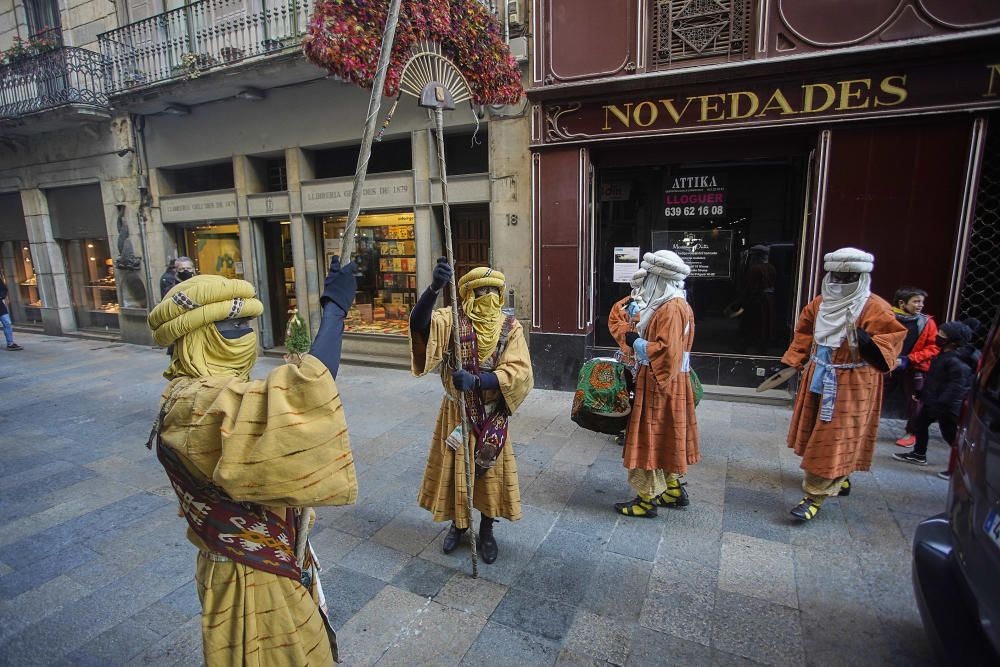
[846, 339]
[493, 370]
[248, 460]
[661, 440]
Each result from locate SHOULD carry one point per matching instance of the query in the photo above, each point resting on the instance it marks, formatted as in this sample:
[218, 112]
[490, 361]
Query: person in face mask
[661, 440]
[844, 341]
[623, 318]
[184, 269]
[493, 369]
[947, 383]
[248, 459]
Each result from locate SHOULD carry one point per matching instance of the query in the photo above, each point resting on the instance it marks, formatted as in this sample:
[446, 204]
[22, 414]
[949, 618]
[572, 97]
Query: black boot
[452, 539]
[487, 543]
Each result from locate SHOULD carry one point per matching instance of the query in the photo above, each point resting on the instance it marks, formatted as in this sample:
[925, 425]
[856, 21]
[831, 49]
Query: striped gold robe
[443, 492]
[279, 442]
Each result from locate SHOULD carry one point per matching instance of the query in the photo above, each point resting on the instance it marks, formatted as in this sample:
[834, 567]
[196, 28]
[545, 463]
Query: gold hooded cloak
[278, 442]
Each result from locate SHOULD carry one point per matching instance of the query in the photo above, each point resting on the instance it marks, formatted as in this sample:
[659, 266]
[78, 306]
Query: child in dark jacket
[915, 358]
[945, 387]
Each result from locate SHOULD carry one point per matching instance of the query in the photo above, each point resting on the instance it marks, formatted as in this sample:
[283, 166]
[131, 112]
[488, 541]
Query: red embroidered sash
[244, 532]
[490, 431]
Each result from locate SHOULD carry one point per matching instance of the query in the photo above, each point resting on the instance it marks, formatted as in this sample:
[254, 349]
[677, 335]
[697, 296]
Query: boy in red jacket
[918, 351]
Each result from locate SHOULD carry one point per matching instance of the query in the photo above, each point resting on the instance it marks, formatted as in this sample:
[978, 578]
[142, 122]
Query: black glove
[777, 368]
[441, 274]
[631, 337]
[463, 380]
[869, 351]
[340, 285]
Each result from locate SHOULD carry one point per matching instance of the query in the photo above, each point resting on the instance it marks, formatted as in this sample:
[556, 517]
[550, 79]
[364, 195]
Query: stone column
[307, 256]
[50, 265]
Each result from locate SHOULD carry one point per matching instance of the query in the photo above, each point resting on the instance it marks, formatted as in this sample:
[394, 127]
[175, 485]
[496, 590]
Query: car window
[989, 374]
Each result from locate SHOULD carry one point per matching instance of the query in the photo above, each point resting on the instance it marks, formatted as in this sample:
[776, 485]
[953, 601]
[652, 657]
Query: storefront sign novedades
[922, 86]
[849, 95]
[697, 196]
[708, 253]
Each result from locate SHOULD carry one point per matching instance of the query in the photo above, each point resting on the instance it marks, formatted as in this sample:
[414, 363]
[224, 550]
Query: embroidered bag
[602, 402]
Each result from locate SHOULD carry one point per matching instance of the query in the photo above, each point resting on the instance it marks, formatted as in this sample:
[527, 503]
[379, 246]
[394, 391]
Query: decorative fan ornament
[344, 37]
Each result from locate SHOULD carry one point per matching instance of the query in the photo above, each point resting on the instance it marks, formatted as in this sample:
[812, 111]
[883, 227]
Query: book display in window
[386, 270]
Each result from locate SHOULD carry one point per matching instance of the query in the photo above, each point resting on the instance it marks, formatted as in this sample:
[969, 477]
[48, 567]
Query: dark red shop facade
[752, 170]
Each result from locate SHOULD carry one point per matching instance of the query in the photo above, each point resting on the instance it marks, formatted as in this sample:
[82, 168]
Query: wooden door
[470, 228]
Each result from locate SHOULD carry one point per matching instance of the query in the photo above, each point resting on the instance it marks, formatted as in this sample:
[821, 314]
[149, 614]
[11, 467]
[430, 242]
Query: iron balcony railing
[65, 75]
[184, 42]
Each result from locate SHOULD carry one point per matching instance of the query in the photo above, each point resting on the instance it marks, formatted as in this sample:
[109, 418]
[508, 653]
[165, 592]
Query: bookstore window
[385, 259]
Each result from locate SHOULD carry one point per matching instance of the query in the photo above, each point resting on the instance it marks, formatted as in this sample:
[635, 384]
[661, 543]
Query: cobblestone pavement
[95, 569]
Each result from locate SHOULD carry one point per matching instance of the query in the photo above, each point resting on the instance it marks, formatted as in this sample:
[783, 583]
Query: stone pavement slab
[95, 568]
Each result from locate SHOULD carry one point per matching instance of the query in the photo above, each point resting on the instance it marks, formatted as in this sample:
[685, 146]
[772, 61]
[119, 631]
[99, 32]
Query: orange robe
[620, 324]
[839, 447]
[662, 431]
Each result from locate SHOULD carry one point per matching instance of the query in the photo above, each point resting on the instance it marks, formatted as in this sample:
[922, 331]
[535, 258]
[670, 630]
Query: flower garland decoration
[344, 37]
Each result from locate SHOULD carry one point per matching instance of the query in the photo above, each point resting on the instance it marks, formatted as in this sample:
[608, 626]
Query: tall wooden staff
[438, 84]
[347, 243]
[374, 103]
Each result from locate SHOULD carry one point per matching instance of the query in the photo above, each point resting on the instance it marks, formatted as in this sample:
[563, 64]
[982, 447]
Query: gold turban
[483, 311]
[482, 276]
[183, 318]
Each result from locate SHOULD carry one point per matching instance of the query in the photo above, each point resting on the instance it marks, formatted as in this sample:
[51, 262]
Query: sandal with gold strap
[669, 499]
[806, 509]
[845, 487]
[637, 507]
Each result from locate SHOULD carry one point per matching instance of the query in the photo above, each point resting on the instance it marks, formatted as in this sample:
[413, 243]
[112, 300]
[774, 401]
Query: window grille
[686, 30]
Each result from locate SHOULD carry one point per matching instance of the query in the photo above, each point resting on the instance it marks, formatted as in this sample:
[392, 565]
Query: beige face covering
[484, 311]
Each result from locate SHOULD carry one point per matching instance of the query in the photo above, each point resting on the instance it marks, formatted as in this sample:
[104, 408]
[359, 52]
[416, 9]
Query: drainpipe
[138, 124]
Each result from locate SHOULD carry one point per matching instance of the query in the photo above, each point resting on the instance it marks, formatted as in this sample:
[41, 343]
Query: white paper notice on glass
[626, 263]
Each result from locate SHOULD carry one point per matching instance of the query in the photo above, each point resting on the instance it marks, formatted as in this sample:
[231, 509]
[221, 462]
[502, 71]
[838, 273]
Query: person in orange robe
[661, 440]
[845, 340]
[622, 319]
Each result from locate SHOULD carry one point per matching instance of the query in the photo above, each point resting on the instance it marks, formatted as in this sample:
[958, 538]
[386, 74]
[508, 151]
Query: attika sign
[927, 87]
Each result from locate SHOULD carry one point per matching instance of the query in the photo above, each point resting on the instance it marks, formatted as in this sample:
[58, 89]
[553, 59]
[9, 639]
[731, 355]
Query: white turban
[662, 277]
[842, 302]
[848, 260]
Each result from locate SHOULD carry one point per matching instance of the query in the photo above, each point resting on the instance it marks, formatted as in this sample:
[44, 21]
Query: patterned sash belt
[828, 373]
[243, 532]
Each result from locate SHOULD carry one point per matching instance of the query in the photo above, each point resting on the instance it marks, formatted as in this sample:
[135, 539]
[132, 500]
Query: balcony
[187, 42]
[66, 80]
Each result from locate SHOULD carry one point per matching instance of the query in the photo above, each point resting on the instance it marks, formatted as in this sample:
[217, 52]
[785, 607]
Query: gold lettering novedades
[809, 98]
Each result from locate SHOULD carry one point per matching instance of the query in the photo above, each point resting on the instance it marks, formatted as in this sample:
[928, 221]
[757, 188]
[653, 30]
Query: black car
[956, 555]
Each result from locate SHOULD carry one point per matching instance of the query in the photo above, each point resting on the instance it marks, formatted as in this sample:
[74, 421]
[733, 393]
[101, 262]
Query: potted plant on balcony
[46, 39]
[133, 78]
[231, 53]
[19, 50]
[193, 64]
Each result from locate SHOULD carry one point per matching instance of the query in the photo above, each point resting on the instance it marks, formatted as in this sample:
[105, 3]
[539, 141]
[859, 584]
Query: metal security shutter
[980, 294]
[77, 212]
[12, 227]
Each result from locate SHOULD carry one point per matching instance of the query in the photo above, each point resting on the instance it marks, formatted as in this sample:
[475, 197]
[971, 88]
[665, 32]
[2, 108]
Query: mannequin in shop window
[248, 460]
[496, 377]
[845, 340]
